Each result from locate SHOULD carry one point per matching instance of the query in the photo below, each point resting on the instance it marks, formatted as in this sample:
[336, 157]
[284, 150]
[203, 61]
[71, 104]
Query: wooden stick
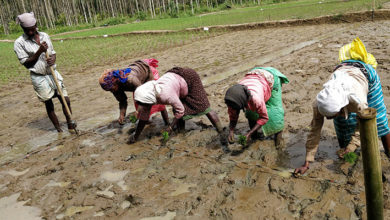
[371, 163]
[53, 73]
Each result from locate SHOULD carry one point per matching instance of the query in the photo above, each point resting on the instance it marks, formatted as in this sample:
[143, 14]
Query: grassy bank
[268, 10]
[285, 10]
[79, 55]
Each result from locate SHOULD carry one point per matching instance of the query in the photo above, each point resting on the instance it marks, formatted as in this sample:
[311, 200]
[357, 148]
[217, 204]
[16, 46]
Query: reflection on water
[294, 154]
[11, 208]
[20, 150]
[104, 123]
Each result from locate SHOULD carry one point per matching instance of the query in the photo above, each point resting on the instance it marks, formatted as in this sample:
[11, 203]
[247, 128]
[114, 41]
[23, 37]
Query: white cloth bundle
[146, 93]
[335, 94]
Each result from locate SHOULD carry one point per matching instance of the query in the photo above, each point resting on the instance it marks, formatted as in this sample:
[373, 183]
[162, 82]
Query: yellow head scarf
[357, 51]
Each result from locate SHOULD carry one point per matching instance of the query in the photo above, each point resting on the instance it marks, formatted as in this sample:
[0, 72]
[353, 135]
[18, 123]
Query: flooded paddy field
[97, 175]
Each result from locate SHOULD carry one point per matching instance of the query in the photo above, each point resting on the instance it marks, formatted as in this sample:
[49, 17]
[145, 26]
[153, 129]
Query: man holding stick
[31, 49]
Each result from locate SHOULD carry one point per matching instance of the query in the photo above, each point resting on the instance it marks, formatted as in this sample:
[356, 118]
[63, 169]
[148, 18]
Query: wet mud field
[97, 175]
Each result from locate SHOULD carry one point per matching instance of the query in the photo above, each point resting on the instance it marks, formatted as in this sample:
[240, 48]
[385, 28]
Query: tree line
[52, 13]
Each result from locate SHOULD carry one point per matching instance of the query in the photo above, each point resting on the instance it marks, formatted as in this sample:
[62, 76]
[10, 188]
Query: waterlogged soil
[97, 175]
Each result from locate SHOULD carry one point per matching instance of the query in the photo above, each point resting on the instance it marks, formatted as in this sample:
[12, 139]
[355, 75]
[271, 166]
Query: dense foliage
[54, 13]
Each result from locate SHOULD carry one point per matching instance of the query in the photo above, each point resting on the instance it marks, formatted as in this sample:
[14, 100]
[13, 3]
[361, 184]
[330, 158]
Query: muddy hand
[169, 130]
[342, 152]
[248, 137]
[300, 171]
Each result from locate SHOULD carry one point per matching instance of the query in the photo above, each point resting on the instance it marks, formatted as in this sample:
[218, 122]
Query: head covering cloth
[110, 78]
[335, 94]
[357, 51]
[26, 20]
[237, 96]
[146, 93]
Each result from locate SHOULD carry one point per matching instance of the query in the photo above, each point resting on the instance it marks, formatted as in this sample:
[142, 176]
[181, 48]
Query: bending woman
[259, 95]
[183, 90]
[119, 81]
[353, 86]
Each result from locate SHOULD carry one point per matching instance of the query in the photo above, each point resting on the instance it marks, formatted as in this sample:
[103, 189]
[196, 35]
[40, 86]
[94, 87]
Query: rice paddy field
[97, 175]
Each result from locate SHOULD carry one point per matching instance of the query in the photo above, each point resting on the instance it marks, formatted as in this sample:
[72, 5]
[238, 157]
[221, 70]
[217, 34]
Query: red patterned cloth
[153, 64]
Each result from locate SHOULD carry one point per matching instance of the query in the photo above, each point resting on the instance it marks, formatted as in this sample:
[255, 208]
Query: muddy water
[21, 150]
[10, 208]
[98, 175]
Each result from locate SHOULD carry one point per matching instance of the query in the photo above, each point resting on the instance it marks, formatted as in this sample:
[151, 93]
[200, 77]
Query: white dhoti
[45, 87]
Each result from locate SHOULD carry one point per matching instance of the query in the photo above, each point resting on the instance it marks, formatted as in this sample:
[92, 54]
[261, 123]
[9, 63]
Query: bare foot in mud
[71, 125]
[132, 139]
[224, 143]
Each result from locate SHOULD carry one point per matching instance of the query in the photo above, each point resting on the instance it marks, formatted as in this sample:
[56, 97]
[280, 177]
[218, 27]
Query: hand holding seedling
[133, 119]
[165, 136]
[350, 157]
[242, 140]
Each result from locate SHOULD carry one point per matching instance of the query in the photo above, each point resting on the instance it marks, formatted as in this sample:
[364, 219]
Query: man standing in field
[31, 49]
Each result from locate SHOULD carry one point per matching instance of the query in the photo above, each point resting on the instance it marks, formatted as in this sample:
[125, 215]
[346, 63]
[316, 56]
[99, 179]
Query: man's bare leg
[52, 115]
[68, 118]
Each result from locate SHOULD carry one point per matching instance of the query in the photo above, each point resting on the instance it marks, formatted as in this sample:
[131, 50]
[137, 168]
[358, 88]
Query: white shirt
[26, 48]
[357, 101]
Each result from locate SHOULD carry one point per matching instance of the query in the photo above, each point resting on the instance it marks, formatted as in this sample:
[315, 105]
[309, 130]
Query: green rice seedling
[350, 157]
[242, 140]
[133, 119]
[165, 135]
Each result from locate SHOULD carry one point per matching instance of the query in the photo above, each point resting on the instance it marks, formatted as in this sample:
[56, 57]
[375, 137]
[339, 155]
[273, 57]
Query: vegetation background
[98, 20]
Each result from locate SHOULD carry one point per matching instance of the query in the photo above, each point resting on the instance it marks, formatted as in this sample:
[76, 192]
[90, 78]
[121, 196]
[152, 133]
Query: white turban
[146, 93]
[26, 20]
[335, 95]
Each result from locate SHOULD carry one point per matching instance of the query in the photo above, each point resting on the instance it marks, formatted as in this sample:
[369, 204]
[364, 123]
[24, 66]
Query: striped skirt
[345, 128]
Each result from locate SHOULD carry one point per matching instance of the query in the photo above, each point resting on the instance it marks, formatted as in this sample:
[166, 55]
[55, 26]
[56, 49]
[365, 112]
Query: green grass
[10, 68]
[79, 55]
[286, 10]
